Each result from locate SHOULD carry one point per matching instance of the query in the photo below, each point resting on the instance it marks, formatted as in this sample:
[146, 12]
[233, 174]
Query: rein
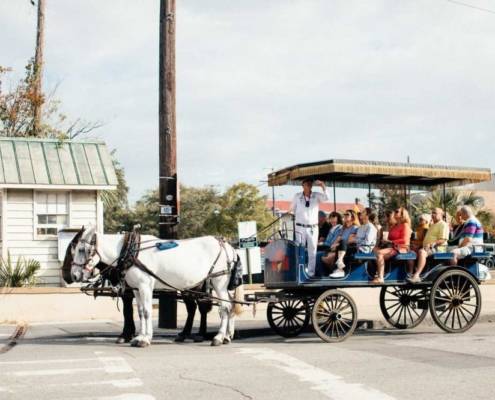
[129, 256]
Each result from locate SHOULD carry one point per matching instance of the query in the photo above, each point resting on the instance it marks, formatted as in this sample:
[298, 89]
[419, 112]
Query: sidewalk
[52, 305]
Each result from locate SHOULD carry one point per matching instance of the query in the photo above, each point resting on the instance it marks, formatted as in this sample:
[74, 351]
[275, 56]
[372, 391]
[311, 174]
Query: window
[51, 212]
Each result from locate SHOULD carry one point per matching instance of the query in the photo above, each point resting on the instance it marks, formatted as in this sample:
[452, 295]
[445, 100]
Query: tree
[116, 206]
[241, 202]
[203, 211]
[197, 206]
[38, 65]
[17, 111]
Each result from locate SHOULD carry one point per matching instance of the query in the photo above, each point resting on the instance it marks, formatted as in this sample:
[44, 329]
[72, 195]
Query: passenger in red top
[398, 241]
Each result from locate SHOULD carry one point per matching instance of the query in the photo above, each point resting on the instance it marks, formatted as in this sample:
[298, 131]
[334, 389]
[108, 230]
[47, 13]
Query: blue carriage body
[286, 261]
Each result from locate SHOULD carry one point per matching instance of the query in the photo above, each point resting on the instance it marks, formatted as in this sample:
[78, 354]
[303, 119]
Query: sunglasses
[307, 203]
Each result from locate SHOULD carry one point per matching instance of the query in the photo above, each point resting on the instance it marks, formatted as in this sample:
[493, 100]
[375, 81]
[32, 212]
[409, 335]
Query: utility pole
[38, 67]
[168, 188]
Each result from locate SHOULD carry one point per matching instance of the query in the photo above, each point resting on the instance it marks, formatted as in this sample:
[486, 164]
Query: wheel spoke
[448, 315]
[394, 305]
[410, 313]
[469, 312]
[461, 311]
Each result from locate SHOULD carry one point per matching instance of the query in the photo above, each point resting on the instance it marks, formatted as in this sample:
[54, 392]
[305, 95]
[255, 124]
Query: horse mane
[111, 275]
[66, 266]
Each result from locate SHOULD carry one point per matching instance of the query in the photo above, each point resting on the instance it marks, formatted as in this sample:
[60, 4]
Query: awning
[354, 173]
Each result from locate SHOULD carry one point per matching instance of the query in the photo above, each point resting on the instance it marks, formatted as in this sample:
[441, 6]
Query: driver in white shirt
[305, 207]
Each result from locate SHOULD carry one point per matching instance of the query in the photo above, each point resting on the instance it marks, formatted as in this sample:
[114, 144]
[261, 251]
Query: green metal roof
[40, 162]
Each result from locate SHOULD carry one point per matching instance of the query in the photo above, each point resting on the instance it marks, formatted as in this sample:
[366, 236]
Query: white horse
[183, 267]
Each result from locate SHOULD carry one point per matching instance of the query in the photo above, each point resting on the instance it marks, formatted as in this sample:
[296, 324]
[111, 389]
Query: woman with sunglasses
[347, 238]
[398, 241]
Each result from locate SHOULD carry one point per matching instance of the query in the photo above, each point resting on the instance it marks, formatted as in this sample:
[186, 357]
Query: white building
[45, 186]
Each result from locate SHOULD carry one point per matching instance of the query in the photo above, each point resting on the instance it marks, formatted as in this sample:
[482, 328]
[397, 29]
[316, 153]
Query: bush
[22, 274]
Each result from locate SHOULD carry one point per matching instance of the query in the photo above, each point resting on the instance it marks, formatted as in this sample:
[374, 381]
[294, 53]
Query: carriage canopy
[363, 174]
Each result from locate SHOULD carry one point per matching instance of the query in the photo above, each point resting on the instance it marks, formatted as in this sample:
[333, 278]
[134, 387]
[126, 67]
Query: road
[65, 361]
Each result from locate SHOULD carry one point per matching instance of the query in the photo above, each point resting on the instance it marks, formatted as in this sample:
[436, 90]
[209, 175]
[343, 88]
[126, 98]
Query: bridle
[94, 251]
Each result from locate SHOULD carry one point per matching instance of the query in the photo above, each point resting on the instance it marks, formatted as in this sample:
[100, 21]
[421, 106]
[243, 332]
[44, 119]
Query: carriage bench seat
[410, 255]
[479, 255]
[364, 256]
[443, 256]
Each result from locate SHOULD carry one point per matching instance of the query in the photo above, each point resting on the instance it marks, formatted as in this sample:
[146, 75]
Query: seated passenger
[367, 233]
[347, 238]
[471, 235]
[421, 230]
[399, 237]
[332, 240]
[457, 227]
[434, 241]
[323, 226]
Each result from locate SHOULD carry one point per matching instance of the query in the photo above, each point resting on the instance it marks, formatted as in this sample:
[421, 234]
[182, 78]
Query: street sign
[247, 234]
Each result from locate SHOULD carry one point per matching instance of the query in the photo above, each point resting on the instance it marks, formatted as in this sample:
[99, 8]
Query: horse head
[84, 254]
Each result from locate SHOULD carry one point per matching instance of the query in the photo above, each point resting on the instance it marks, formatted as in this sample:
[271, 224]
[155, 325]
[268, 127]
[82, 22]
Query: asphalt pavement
[80, 361]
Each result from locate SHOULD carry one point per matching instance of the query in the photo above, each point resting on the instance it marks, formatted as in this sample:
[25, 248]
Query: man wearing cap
[305, 206]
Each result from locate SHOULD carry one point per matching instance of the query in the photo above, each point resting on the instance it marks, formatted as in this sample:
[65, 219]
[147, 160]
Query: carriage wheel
[334, 316]
[455, 301]
[402, 307]
[288, 318]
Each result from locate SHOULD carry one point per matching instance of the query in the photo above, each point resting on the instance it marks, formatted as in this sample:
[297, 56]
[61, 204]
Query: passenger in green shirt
[434, 241]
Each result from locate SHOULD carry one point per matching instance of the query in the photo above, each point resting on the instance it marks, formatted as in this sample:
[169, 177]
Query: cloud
[268, 84]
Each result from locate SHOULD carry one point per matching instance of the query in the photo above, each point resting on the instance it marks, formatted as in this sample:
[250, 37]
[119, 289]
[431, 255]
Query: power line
[471, 6]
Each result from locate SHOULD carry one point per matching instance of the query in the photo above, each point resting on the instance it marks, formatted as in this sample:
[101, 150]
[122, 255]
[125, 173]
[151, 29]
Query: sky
[267, 84]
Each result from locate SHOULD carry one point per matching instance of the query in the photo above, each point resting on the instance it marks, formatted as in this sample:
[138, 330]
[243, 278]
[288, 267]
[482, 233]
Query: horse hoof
[198, 339]
[123, 339]
[142, 343]
[226, 341]
[216, 342]
[180, 338]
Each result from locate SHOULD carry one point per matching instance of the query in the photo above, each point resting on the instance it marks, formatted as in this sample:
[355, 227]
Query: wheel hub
[405, 300]
[336, 316]
[289, 313]
[457, 301]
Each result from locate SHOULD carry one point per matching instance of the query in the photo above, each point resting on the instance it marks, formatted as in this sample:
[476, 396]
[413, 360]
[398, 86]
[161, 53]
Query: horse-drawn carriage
[450, 293]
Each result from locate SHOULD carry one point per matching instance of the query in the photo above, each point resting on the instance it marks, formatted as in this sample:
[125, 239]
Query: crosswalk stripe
[330, 385]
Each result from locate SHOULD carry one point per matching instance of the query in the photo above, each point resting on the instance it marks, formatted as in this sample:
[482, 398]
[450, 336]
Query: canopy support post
[444, 201]
[369, 195]
[334, 198]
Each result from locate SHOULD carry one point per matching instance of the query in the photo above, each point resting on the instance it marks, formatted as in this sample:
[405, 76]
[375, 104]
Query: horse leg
[138, 341]
[128, 312]
[191, 311]
[230, 328]
[147, 301]
[204, 308]
[220, 285]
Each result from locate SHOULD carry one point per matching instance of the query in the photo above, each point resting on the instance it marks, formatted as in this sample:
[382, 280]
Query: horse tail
[238, 297]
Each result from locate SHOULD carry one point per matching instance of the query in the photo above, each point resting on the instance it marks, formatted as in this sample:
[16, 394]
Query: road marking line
[49, 372]
[115, 365]
[118, 383]
[111, 365]
[125, 396]
[330, 385]
[57, 361]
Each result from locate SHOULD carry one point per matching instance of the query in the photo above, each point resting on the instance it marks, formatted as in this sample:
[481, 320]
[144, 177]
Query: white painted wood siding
[20, 230]
[83, 209]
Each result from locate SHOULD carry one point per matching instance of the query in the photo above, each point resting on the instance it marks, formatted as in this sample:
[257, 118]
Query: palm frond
[23, 273]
